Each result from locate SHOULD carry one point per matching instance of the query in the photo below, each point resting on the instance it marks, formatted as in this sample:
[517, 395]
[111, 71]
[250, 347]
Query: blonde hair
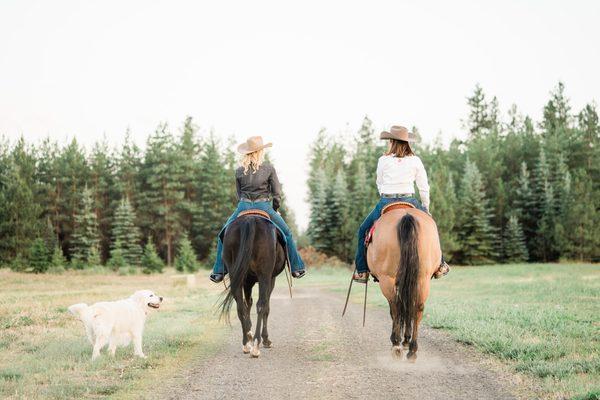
[253, 160]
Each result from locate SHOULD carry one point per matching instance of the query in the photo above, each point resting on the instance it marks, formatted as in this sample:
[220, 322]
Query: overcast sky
[283, 70]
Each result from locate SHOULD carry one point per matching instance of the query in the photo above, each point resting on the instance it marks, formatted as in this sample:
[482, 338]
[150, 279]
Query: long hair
[399, 148]
[407, 288]
[253, 161]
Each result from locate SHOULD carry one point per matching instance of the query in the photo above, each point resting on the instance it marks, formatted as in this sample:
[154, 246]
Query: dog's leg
[137, 345]
[112, 347]
[98, 345]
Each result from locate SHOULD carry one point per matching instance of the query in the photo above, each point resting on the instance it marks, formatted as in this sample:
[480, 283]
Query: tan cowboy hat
[399, 133]
[254, 143]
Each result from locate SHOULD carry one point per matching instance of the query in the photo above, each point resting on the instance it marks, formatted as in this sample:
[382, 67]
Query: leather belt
[396, 195]
[259, 200]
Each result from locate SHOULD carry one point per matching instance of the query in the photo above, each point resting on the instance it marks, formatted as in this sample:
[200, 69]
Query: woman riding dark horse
[257, 186]
[397, 172]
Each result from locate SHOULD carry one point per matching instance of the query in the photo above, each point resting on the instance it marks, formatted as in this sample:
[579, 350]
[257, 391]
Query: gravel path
[318, 355]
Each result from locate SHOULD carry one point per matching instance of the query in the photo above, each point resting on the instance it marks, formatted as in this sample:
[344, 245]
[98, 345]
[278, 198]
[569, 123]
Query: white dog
[117, 322]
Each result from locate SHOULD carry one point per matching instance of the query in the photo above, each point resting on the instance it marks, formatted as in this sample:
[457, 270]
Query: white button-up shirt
[399, 175]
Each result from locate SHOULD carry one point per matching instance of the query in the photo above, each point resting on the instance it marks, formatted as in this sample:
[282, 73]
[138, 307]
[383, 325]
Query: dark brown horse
[253, 251]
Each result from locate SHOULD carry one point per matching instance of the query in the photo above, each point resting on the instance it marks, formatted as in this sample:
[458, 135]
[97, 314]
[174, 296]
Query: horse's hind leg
[264, 286]
[242, 313]
[265, 333]
[396, 334]
[407, 333]
[414, 346]
[247, 321]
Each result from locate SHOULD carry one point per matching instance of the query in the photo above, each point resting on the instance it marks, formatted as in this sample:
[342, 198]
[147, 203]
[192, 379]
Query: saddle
[397, 205]
[258, 212]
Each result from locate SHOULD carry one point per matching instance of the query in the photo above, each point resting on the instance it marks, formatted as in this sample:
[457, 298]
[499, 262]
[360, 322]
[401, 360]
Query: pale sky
[284, 70]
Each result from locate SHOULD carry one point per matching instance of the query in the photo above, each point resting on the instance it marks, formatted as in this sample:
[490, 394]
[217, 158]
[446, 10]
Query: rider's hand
[276, 204]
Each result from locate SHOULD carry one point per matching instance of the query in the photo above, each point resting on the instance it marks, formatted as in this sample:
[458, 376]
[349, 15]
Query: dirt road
[318, 355]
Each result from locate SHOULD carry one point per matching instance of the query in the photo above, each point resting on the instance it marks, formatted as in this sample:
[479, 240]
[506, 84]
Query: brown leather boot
[360, 277]
[442, 270]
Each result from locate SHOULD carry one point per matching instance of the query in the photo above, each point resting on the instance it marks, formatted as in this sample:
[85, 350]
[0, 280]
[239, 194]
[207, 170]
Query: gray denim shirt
[260, 184]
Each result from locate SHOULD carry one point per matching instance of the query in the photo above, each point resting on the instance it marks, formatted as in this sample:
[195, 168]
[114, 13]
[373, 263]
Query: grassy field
[542, 320]
[44, 352]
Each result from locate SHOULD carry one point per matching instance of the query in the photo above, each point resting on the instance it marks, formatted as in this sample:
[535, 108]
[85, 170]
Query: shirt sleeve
[238, 189]
[275, 185]
[379, 180]
[422, 183]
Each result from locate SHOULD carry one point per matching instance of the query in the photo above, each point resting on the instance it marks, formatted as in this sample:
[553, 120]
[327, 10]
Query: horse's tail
[408, 272]
[241, 264]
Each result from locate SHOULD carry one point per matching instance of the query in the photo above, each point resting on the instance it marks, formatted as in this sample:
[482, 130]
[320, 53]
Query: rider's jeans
[295, 260]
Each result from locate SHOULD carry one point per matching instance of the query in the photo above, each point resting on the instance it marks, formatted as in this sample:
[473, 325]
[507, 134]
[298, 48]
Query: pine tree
[127, 174]
[39, 259]
[117, 258]
[127, 234]
[515, 250]
[443, 204]
[545, 244]
[19, 214]
[162, 190]
[151, 262]
[189, 151]
[336, 219]
[478, 122]
[525, 205]
[186, 258]
[85, 238]
[101, 185]
[72, 174]
[317, 230]
[476, 236]
[58, 260]
[215, 186]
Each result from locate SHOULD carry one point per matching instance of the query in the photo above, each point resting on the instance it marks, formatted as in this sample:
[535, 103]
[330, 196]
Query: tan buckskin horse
[404, 254]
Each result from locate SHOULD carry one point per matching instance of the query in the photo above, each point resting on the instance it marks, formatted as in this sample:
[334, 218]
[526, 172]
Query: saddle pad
[369, 235]
[255, 212]
[396, 206]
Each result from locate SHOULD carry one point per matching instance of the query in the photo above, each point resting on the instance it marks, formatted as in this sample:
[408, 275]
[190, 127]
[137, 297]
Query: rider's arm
[238, 188]
[379, 175]
[275, 189]
[422, 183]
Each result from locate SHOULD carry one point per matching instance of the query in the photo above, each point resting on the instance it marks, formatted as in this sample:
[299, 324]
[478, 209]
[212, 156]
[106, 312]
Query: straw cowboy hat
[254, 143]
[399, 133]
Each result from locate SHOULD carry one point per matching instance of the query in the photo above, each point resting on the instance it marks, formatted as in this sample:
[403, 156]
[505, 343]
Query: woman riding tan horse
[405, 251]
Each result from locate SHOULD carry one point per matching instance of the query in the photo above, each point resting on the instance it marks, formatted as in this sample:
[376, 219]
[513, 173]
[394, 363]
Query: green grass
[542, 320]
[44, 352]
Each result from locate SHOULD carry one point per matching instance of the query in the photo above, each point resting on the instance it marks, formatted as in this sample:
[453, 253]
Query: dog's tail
[80, 310]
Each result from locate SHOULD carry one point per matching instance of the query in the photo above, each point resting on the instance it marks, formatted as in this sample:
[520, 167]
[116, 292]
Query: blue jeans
[361, 252]
[295, 260]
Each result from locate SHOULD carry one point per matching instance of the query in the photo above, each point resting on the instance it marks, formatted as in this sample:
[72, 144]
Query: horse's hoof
[267, 344]
[255, 352]
[411, 357]
[246, 348]
[397, 352]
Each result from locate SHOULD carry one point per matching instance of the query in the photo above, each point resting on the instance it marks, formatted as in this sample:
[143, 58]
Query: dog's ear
[140, 297]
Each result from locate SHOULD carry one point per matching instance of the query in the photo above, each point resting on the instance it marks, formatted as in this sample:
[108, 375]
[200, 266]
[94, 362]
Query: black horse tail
[408, 272]
[241, 264]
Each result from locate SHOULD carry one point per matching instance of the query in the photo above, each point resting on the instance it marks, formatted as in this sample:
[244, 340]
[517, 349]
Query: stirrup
[360, 277]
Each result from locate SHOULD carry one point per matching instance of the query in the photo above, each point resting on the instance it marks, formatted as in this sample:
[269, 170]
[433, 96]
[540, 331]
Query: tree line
[63, 206]
[513, 190]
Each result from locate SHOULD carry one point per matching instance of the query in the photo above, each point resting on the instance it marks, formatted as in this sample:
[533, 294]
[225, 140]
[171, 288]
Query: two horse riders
[258, 188]
[397, 172]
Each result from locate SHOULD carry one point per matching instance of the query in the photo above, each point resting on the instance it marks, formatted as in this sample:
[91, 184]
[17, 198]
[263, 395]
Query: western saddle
[258, 212]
